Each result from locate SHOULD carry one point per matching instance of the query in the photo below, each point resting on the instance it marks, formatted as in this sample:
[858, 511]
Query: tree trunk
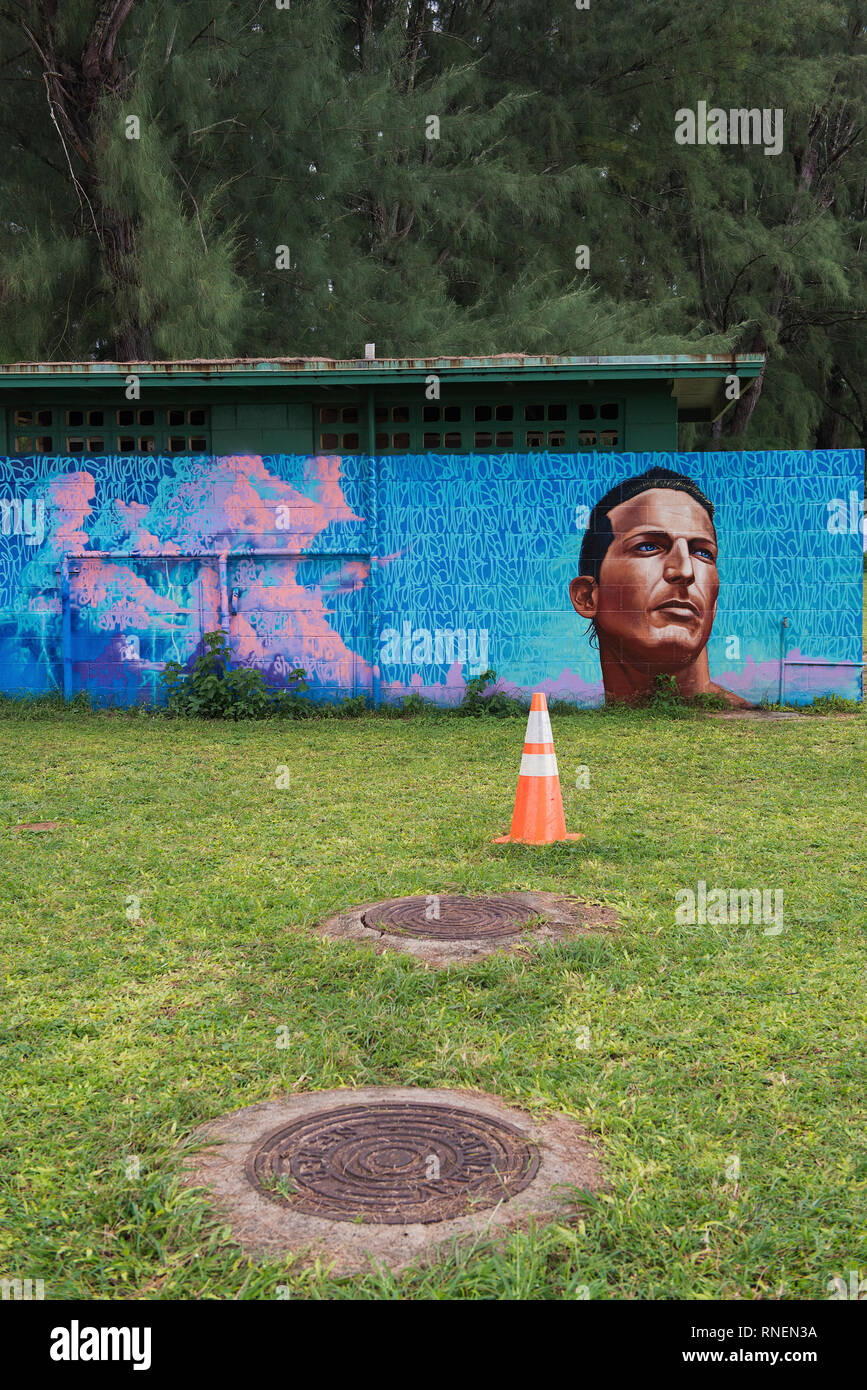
[828, 430]
[74, 88]
[745, 404]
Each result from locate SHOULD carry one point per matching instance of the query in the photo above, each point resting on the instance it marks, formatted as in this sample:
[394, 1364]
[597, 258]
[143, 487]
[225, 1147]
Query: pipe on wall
[66, 626]
[375, 570]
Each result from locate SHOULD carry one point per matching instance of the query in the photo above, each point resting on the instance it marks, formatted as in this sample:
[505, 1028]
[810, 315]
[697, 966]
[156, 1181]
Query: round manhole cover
[450, 918]
[394, 1163]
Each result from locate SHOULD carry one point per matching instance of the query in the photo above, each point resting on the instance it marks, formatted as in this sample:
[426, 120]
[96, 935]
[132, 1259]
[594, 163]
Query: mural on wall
[385, 576]
[144, 576]
[492, 545]
[648, 584]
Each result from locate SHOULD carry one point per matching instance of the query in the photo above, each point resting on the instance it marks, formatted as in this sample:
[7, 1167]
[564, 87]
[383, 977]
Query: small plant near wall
[666, 694]
[667, 699]
[476, 702]
[214, 690]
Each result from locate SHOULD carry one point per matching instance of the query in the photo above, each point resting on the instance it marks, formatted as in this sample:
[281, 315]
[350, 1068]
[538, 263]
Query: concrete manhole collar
[386, 1173]
[440, 928]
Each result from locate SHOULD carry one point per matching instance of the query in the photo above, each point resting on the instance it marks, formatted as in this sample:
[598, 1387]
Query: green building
[450, 405]
[397, 528]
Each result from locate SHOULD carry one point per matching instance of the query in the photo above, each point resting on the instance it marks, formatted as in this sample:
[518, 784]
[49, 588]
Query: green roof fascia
[378, 372]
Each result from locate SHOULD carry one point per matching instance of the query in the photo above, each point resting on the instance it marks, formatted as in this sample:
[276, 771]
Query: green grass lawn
[120, 1036]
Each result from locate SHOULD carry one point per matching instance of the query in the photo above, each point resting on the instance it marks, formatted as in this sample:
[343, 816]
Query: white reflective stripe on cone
[538, 765]
[539, 727]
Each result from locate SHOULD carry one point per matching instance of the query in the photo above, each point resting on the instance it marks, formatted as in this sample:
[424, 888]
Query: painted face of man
[656, 598]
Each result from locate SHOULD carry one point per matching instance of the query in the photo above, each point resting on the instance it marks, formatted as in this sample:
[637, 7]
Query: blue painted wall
[388, 575]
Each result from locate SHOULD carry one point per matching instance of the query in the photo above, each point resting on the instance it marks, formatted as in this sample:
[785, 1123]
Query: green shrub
[498, 703]
[214, 690]
[667, 699]
[414, 704]
[833, 704]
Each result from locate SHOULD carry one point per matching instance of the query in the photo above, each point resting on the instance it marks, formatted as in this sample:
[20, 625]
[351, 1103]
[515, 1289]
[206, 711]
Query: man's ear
[583, 592]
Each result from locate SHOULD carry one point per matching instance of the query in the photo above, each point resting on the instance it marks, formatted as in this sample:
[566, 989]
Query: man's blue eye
[707, 553]
[647, 545]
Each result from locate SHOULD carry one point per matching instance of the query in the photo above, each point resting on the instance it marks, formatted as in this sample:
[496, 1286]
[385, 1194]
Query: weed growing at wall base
[214, 689]
[53, 705]
[666, 698]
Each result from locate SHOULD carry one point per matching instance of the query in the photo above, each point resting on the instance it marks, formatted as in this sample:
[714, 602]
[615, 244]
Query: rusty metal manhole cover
[394, 1163]
[450, 918]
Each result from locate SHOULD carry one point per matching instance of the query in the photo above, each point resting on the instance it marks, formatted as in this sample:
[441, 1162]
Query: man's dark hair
[599, 533]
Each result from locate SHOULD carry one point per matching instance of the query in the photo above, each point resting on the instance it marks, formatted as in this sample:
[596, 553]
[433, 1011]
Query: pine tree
[209, 177]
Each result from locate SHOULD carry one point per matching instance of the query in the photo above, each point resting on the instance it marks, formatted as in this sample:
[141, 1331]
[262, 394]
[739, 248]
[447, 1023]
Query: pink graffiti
[755, 682]
[222, 501]
[761, 679]
[219, 504]
[71, 497]
[350, 576]
[567, 686]
[119, 598]
[139, 538]
[287, 618]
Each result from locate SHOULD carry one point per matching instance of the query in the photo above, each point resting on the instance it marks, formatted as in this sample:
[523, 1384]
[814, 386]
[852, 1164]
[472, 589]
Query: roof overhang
[697, 383]
[703, 398]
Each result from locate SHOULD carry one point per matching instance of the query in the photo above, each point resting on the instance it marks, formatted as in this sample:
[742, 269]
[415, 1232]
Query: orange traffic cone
[538, 816]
